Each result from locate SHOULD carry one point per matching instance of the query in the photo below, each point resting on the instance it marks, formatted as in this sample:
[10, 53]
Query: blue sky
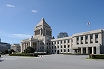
[19, 17]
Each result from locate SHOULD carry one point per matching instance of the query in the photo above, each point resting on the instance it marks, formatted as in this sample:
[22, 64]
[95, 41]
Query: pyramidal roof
[42, 23]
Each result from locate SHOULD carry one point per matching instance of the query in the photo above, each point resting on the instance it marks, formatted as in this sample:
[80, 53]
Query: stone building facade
[16, 47]
[80, 43]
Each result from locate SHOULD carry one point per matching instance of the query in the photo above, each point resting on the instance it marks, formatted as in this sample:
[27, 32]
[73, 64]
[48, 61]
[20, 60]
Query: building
[4, 46]
[62, 34]
[80, 43]
[16, 47]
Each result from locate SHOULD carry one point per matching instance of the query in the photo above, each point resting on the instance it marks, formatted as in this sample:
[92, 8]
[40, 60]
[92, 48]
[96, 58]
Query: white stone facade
[16, 47]
[80, 43]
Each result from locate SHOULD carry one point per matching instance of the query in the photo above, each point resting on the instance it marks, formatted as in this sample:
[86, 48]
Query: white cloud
[15, 35]
[9, 5]
[21, 35]
[34, 11]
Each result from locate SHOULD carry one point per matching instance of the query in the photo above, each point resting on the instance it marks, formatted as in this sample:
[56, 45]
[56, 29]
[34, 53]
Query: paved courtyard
[50, 62]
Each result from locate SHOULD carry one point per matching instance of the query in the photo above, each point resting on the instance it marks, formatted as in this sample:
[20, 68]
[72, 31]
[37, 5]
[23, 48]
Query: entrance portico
[85, 50]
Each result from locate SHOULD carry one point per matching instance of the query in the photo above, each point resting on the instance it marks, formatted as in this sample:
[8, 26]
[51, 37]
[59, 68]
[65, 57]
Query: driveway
[56, 61]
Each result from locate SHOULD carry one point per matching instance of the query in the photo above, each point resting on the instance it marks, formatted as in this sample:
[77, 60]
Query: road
[50, 62]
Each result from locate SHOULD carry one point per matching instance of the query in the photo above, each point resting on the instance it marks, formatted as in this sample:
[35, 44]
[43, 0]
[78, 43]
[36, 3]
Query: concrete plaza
[50, 62]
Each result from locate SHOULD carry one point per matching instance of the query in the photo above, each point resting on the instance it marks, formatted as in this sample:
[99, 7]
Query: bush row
[96, 56]
[24, 54]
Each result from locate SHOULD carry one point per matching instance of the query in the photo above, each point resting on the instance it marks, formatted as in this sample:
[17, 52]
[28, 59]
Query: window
[68, 41]
[64, 41]
[57, 46]
[47, 43]
[61, 46]
[68, 46]
[77, 43]
[61, 50]
[91, 36]
[64, 50]
[81, 42]
[68, 50]
[77, 38]
[55, 50]
[57, 42]
[52, 43]
[52, 47]
[86, 42]
[42, 43]
[96, 41]
[64, 46]
[37, 32]
[86, 37]
[61, 42]
[96, 35]
[42, 47]
[81, 37]
[52, 50]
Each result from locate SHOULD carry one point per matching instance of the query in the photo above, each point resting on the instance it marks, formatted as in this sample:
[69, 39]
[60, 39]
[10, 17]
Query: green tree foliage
[6, 52]
[29, 50]
[11, 50]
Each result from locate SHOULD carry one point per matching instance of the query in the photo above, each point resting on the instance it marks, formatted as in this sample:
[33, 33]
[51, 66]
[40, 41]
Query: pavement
[56, 61]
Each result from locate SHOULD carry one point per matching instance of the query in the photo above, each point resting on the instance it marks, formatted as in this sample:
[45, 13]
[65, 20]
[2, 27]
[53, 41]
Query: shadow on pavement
[1, 60]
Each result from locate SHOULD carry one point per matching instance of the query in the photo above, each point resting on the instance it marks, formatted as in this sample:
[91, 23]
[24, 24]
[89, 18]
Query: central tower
[43, 29]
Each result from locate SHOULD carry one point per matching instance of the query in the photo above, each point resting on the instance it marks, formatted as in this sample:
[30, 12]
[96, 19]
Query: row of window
[62, 50]
[49, 43]
[49, 47]
[86, 37]
[64, 46]
[86, 42]
[61, 41]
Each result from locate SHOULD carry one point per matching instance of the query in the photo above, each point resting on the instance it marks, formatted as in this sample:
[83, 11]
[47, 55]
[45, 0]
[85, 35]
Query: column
[100, 38]
[74, 41]
[83, 39]
[79, 40]
[93, 38]
[89, 39]
[81, 50]
[30, 44]
[86, 50]
[92, 50]
[24, 46]
[40, 32]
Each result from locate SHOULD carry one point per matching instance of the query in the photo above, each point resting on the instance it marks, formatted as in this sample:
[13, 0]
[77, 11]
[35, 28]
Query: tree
[11, 50]
[5, 51]
[29, 50]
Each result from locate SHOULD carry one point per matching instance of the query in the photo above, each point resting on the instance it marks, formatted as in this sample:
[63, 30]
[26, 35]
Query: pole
[89, 26]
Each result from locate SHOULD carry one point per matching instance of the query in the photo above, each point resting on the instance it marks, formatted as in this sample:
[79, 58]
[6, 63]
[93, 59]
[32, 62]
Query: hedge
[24, 54]
[96, 56]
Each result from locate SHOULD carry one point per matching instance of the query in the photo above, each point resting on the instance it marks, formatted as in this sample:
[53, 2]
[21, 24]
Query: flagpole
[89, 26]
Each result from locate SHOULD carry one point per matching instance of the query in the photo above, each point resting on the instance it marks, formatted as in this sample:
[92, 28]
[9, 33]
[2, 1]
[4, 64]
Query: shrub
[96, 56]
[29, 50]
[24, 54]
